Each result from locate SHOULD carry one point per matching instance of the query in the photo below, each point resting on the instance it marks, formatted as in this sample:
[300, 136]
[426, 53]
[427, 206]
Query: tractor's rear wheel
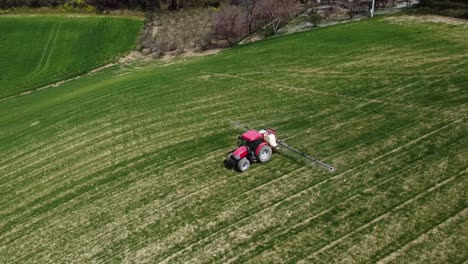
[264, 154]
[243, 164]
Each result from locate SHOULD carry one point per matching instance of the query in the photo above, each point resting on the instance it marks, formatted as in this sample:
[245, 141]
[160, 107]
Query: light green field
[39, 50]
[126, 165]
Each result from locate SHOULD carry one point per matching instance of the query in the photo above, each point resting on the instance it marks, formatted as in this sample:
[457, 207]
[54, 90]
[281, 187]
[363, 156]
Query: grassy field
[126, 165]
[39, 50]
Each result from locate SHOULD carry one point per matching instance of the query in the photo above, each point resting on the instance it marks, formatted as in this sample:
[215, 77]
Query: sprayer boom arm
[312, 159]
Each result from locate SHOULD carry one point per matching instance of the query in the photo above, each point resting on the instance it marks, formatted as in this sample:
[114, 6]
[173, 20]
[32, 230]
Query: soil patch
[426, 19]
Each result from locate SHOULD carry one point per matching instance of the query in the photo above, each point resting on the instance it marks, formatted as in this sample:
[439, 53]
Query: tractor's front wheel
[264, 154]
[243, 165]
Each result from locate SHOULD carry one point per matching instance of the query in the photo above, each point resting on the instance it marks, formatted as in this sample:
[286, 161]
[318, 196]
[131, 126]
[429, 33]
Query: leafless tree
[249, 7]
[230, 23]
[352, 5]
[276, 11]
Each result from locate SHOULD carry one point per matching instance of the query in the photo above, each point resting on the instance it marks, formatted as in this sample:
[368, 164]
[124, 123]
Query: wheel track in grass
[425, 192]
[459, 255]
[269, 85]
[257, 187]
[274, 229]
[73, 189]
[45, 51]
[102, 234]
[114, 94]
[267, 183]
[424, 228]
[307, 220]
[377, 219]
[334, 128]
[87, 138]
[391, 256]
[263, 243]
[51, 50]
[222, 182]
[292, 196]
[57, 215]
[41, 147]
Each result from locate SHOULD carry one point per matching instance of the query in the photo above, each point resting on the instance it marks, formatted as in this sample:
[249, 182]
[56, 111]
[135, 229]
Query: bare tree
[276, 11]
[249, 7]
[230, 23]
[352, 5]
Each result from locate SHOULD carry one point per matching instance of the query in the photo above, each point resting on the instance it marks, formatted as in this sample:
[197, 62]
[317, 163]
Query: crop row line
[377, 219]
[394, 254]
[168, 259]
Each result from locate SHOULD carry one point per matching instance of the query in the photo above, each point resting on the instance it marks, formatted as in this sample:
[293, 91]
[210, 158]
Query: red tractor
[253, 146]
[257, 146]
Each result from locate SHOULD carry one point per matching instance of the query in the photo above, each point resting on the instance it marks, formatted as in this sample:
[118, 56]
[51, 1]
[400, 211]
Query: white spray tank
[269, 135]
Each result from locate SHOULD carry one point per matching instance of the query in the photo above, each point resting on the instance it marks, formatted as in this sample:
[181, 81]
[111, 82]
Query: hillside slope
[127, 164]
[38, 50]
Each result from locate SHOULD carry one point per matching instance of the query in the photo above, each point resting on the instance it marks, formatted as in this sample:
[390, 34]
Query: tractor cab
[251, 139]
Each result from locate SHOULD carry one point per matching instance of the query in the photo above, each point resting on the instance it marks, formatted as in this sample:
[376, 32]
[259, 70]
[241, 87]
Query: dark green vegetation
[126, 164]
[454, 8]
[39, 50]
[101, 5]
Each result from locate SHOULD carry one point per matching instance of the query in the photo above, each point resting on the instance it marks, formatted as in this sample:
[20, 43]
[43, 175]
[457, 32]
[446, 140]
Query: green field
[126, 165]
[39, 50]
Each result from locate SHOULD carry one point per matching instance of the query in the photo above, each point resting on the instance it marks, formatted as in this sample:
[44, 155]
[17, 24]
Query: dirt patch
[188, 54]
[426, 19]
[134, 56]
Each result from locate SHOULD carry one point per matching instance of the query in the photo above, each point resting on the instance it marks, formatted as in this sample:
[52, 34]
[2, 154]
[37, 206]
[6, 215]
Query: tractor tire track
[292, 196]
[45, 51]
[392, 256]
[51, 50]
[277, 229]
[273, 86]
[87, 138]
[378, 219]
